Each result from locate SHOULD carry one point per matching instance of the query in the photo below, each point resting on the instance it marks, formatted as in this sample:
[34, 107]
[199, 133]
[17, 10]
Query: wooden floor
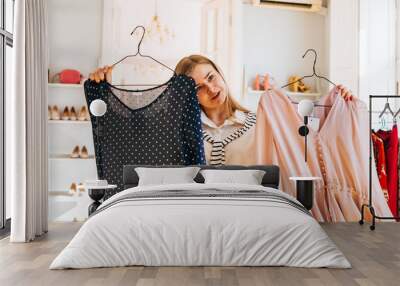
[375, 257]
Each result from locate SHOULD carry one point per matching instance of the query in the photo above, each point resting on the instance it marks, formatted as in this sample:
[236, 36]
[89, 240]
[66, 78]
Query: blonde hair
[186, 66]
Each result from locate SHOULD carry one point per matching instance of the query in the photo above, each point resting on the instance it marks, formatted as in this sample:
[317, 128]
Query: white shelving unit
[68, 122]
[64, 135]
[63, 85]
[251, 98]
[67, 157]
[253, 91]
[72, 45]
[297, 96]
[66, 207]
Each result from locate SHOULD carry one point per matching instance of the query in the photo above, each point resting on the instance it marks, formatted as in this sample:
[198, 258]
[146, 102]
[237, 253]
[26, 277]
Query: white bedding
[182, 231]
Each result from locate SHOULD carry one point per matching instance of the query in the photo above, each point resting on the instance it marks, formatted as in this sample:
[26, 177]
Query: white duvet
[200, 231]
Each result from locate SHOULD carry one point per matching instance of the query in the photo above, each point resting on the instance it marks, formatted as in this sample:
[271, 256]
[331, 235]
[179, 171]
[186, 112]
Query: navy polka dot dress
[157, 126]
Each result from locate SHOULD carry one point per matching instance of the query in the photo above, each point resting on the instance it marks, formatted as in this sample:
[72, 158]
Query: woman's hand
[100, 74]
[345, 93]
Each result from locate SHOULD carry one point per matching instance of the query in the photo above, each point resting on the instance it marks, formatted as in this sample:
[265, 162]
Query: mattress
[201, 225]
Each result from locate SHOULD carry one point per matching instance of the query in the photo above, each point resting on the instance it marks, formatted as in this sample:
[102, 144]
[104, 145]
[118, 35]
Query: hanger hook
[141, 39]
[315, 58]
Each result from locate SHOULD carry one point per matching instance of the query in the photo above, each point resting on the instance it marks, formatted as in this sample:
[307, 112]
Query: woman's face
[211, 88]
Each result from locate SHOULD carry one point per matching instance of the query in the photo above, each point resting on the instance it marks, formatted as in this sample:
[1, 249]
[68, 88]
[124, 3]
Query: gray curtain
[26, 123]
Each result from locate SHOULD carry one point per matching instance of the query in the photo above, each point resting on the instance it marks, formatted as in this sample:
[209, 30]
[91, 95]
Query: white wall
[343, 32]
[121, 16]
[222, 40]
[274, 41]
[377, 50]
[74, 34]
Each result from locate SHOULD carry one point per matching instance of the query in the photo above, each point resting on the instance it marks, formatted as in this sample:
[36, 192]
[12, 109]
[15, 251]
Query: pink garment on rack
[338, 153]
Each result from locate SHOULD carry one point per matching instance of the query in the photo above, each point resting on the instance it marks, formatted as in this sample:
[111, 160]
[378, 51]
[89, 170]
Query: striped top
[232, 142]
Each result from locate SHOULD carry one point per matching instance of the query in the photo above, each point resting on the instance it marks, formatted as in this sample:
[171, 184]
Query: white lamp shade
[98, 107]
[305, 108]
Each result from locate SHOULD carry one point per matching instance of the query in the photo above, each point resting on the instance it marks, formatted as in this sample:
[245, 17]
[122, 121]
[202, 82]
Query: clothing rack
[369, 205]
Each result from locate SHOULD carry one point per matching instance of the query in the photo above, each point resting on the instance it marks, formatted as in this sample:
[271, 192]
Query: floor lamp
[97, 108]
[305, 109]
[305, 185]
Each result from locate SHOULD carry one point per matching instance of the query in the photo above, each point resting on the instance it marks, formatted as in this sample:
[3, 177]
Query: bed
[199, 224]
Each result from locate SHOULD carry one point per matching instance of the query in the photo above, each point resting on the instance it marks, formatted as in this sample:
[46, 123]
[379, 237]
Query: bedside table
[305, 190]
[96, 193]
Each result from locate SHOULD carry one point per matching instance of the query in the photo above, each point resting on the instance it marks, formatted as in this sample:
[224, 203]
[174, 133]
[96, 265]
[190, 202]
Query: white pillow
[163, 176]
[248, 177]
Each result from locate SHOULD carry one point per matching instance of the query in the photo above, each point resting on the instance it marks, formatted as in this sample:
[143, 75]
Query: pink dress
[338, 153]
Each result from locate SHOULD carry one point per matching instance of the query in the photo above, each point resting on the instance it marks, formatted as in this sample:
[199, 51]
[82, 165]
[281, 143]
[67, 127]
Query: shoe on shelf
[73, 189]
[87, 114]
[55, 113]
[72, 113]
[81, 188]
[75, 152]
[65, 114]
[84, 152]
[83, 114]
[49, 112]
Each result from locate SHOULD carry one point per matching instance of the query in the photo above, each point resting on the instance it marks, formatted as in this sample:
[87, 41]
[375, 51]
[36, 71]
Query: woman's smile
[215, 96]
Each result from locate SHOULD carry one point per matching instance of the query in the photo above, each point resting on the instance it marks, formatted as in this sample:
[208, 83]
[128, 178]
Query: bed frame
[270, 179]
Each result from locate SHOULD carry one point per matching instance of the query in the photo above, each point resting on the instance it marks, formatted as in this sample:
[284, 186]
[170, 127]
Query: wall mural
[195, 117]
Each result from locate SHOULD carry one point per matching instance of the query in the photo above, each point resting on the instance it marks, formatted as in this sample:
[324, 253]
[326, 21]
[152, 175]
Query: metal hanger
[312, 75]
[387, 107]
[141, 55]
[397, 113]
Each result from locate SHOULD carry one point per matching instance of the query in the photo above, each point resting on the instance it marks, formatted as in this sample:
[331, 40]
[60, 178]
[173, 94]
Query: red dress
[391, 142]
[380, 163]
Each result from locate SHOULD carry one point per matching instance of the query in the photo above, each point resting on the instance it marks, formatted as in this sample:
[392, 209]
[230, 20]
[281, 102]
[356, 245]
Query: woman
[228, 127]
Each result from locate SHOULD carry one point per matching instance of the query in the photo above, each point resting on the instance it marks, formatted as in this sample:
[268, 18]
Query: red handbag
[69, 76]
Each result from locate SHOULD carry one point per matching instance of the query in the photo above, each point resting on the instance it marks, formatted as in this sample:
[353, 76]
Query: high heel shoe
[72, 189]
[75, 152]
[256, 83]
[72, 113]
[55, 113]
[84, 153]
[294, 83]
[65, 114]
[266, 82]
[81, 188]
[83, 114]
